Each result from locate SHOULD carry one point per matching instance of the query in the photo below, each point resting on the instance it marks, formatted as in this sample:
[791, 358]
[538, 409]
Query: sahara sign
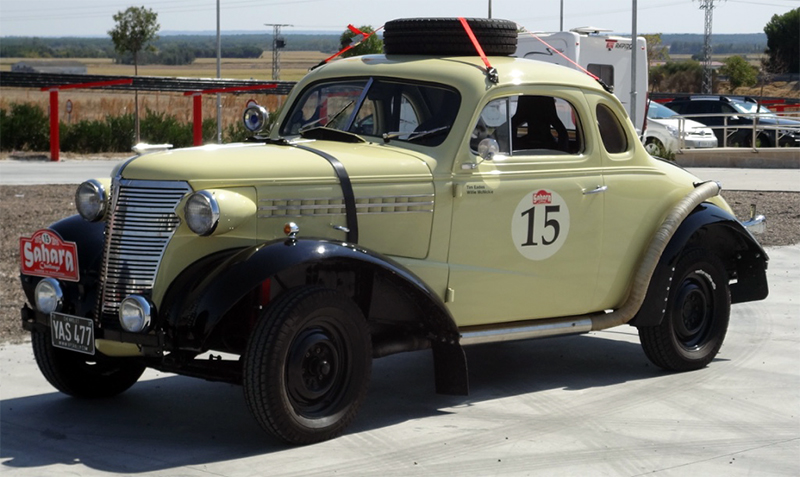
[45, 254]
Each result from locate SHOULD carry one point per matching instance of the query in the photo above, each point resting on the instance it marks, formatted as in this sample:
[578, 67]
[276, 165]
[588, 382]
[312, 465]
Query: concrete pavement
[584, 405]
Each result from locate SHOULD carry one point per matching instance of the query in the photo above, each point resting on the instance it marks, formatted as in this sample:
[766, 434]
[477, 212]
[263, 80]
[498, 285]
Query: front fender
[80, 297]
[719, 232]
[224, 286]
[194, 311]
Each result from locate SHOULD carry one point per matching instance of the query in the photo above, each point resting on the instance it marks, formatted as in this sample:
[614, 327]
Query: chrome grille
[141, 223]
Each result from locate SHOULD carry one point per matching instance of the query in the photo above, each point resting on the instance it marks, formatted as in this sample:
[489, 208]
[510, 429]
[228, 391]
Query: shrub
[25, 128]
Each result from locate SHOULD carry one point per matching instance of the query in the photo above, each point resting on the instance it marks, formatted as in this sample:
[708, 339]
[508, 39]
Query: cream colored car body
[444, 212]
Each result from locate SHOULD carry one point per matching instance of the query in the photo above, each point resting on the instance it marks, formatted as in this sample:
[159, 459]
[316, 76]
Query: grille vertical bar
[142, 220]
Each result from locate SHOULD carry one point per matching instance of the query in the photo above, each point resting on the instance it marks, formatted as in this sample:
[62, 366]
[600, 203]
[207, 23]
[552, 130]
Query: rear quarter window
[611, 131]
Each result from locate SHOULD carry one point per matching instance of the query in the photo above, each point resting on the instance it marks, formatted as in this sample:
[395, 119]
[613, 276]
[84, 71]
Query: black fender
[194, 310]
[716, 230]
[80, 297]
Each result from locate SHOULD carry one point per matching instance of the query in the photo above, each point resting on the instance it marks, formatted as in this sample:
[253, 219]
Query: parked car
[427, 198]
[667, 133]
[738, 114]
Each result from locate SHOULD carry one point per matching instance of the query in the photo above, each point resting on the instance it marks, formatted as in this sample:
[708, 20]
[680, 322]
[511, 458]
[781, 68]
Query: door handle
[596, 190]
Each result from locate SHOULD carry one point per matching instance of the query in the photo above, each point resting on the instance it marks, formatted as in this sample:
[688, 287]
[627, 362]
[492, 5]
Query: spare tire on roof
[447, 37]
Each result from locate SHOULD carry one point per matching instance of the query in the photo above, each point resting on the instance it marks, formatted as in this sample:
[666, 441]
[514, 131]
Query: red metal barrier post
[54, 131]
[55, 148]
[197, 119]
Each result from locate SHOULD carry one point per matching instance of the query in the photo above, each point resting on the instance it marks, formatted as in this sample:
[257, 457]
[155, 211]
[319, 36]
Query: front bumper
[699, 142]
[152, 344]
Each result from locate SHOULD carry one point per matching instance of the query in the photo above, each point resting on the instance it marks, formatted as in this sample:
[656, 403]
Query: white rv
[605, 56]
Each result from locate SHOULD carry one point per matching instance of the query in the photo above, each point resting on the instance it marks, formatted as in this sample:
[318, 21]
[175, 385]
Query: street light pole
[561, 25]
[219, 75]
[634, 47]
[490, 8]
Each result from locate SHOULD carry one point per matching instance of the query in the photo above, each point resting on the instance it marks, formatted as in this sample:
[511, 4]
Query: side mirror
[255, 118]
[487, 149]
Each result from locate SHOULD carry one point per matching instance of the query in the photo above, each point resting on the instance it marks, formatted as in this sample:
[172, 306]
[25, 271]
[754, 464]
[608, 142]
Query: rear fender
[716, 230]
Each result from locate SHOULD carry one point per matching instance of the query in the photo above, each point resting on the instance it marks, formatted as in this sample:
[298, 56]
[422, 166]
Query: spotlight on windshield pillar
[255, 118]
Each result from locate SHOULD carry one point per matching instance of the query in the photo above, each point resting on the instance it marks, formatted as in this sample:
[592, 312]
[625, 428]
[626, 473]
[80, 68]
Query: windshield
[403, 111]
[659, 111]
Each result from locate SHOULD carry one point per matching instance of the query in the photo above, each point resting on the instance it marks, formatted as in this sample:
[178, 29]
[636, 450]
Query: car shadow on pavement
[174, 421]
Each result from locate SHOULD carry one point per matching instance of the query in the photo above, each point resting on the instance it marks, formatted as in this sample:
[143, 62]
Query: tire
[307, 365]
[654, 147]
[446, 37]
[696, 318]
[81, 375]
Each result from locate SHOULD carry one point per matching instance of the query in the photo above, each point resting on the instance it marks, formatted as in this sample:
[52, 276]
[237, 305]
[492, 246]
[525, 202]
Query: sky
[49, 18]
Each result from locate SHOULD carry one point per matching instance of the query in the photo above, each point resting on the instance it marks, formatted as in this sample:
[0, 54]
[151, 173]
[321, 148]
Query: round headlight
[255, 118]
[201, 212]
[48, 296]
[134, 314]
[90, 200]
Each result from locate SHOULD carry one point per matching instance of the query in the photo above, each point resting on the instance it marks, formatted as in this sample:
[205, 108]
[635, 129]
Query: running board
[524, 330]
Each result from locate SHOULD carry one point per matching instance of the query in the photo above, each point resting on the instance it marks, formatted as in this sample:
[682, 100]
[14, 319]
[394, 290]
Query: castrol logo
[46, 254]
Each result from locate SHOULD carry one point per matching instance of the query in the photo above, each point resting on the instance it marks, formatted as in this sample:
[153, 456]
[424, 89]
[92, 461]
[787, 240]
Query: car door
[527, 217]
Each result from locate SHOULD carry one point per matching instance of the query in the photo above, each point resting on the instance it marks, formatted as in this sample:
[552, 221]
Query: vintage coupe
[428, 198]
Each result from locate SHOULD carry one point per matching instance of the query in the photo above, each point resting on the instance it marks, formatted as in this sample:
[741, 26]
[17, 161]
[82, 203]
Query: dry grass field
[93, 105]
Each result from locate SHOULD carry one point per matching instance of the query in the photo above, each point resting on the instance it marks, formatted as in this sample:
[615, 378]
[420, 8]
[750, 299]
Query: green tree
[677, 77]
[371, 45]
[783, 42]
[656, 51]
[739, 72]
[136, 28]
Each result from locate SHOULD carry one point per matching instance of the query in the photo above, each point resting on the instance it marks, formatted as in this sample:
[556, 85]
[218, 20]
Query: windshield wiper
[310, 125]
[412, 136]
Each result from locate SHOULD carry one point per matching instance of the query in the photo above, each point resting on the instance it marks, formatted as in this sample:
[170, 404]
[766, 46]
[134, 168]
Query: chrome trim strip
[525, 330]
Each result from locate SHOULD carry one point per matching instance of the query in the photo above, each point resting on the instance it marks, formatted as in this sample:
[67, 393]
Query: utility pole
[219, 75]
[708, 6]
[277, 44]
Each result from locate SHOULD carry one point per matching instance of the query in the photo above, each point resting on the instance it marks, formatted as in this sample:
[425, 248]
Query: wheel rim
[317, 371]
[694, 312]
[652, 147]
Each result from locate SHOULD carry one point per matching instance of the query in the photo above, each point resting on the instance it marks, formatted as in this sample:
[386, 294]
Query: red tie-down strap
[490, 71]
[356, 31]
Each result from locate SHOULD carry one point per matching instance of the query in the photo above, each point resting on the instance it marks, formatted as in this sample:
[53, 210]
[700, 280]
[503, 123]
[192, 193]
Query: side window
[604, 72]
[526, 125]
[611, 131]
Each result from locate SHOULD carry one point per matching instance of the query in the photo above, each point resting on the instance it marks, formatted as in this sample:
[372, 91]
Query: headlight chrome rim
[202, 213]
[135, 314]
[90, 200]
[48, 296]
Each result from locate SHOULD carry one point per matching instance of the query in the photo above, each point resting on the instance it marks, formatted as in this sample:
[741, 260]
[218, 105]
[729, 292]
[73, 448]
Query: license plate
[72, 332]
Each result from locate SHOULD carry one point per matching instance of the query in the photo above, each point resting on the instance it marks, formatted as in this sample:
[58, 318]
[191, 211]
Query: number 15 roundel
[540, 224]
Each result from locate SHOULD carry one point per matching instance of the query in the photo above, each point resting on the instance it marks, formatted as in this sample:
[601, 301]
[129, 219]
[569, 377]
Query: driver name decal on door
[540, 224]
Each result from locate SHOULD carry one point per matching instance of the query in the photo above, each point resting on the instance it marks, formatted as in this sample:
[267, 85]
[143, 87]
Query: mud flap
[450, 369]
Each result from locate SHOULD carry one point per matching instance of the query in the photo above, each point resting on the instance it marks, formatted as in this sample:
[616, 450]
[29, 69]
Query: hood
[258, 163]
[688, 124]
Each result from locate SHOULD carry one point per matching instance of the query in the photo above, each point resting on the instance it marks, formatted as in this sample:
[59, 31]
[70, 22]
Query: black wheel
[697, 314]
[307, 365]
[446, 37]
[83, 375]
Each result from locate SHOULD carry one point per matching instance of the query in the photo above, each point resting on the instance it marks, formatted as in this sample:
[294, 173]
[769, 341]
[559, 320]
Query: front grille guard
[139, 226]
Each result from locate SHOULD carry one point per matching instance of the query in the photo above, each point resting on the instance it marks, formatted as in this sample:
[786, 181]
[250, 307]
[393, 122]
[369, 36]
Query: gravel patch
[25, 209]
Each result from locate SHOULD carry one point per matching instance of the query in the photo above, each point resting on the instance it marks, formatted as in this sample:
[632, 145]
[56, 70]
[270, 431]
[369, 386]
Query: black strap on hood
[347, 191]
